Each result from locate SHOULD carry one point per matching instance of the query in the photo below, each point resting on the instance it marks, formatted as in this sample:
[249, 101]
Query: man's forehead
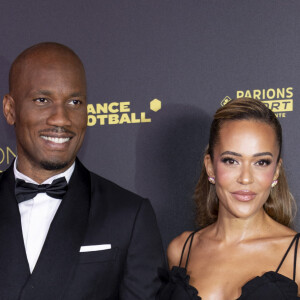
[42, 56]
[52, 58]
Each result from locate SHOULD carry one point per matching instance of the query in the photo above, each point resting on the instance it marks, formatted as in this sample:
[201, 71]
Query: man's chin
[51, 166]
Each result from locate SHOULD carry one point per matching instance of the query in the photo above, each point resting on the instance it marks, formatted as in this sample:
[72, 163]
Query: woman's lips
[244, 196]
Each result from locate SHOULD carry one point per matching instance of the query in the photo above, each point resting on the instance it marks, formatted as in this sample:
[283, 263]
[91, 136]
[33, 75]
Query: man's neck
[41, 176]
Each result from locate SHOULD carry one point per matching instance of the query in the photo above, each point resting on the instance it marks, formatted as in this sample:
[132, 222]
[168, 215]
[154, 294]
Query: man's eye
[75, 102]
[40, 100]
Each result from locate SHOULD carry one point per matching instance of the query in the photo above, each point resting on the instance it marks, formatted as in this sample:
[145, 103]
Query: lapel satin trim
[60, 253]
[14, 268]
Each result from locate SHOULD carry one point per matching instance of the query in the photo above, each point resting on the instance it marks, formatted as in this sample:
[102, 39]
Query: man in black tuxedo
[66, 233]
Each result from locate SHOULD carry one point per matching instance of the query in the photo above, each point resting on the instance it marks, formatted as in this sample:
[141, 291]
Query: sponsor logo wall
[114, 113]
[156, 73]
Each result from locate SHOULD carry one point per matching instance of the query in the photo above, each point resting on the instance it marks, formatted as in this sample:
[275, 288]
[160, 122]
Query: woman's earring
[274, 183]
[211, 180]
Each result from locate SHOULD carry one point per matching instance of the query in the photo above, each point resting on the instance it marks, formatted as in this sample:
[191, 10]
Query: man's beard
[51, 166]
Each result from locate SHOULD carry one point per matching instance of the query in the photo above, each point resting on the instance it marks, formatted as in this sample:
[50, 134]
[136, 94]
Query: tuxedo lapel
[60, 253]
[14, 268]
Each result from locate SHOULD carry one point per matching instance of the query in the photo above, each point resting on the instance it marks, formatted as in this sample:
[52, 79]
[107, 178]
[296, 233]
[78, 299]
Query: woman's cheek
[266, 177]
[225, 174]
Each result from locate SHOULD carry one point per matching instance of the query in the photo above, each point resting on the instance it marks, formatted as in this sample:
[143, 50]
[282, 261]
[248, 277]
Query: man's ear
[9, 109]
[209, 166]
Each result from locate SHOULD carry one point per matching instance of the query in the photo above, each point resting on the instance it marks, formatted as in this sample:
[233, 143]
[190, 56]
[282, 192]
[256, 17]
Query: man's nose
[59, 116]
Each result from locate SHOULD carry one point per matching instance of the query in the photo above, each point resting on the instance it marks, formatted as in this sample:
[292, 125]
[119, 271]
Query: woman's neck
[230, 229]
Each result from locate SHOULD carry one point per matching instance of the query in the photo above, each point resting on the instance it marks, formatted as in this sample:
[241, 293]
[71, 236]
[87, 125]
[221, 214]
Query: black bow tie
[25, 191]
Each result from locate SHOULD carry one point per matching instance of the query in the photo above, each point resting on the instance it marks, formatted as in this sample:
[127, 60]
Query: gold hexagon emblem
[155, 105]
[225, 100]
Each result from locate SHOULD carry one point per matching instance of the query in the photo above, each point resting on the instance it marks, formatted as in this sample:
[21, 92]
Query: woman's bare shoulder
[175, 248]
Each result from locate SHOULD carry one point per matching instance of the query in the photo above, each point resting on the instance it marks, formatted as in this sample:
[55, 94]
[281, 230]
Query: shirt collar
[67, 174]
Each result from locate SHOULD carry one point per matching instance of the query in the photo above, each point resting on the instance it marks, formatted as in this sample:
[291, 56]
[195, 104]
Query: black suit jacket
[94, 211]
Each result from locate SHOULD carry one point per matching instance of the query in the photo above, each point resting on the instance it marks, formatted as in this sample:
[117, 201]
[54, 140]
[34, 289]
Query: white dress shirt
[37, 215]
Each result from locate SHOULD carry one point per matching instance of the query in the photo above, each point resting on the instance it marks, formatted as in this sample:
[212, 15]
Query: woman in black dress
[246, 248]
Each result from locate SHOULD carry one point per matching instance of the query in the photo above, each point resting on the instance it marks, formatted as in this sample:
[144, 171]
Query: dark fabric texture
[270, 286]
[175, 285]
[94, 211]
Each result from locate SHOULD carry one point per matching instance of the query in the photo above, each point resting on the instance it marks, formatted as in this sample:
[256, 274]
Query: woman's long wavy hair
[280, 204]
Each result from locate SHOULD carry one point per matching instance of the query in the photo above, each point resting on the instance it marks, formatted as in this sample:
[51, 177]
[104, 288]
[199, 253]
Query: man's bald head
[48, 52]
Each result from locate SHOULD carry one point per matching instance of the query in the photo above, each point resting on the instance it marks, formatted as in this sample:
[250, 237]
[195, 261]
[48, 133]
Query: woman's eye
[263, 162]
[229, 161]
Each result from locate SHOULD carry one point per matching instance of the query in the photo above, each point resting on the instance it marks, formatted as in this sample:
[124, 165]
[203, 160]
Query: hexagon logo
[155, 105]
[225, 100]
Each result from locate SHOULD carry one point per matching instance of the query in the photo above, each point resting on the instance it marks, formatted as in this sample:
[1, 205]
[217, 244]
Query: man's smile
[57, 140]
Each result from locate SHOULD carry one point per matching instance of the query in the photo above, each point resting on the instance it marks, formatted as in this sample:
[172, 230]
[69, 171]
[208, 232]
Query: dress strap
[190, 237]
[295, 256]
[296, 238]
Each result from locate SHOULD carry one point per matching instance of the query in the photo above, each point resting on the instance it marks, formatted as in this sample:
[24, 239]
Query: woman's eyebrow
[231, 153]
[238, 154]
[263, 153]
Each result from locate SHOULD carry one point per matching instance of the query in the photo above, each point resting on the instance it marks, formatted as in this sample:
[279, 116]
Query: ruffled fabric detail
[175, 285]
[270, 285]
